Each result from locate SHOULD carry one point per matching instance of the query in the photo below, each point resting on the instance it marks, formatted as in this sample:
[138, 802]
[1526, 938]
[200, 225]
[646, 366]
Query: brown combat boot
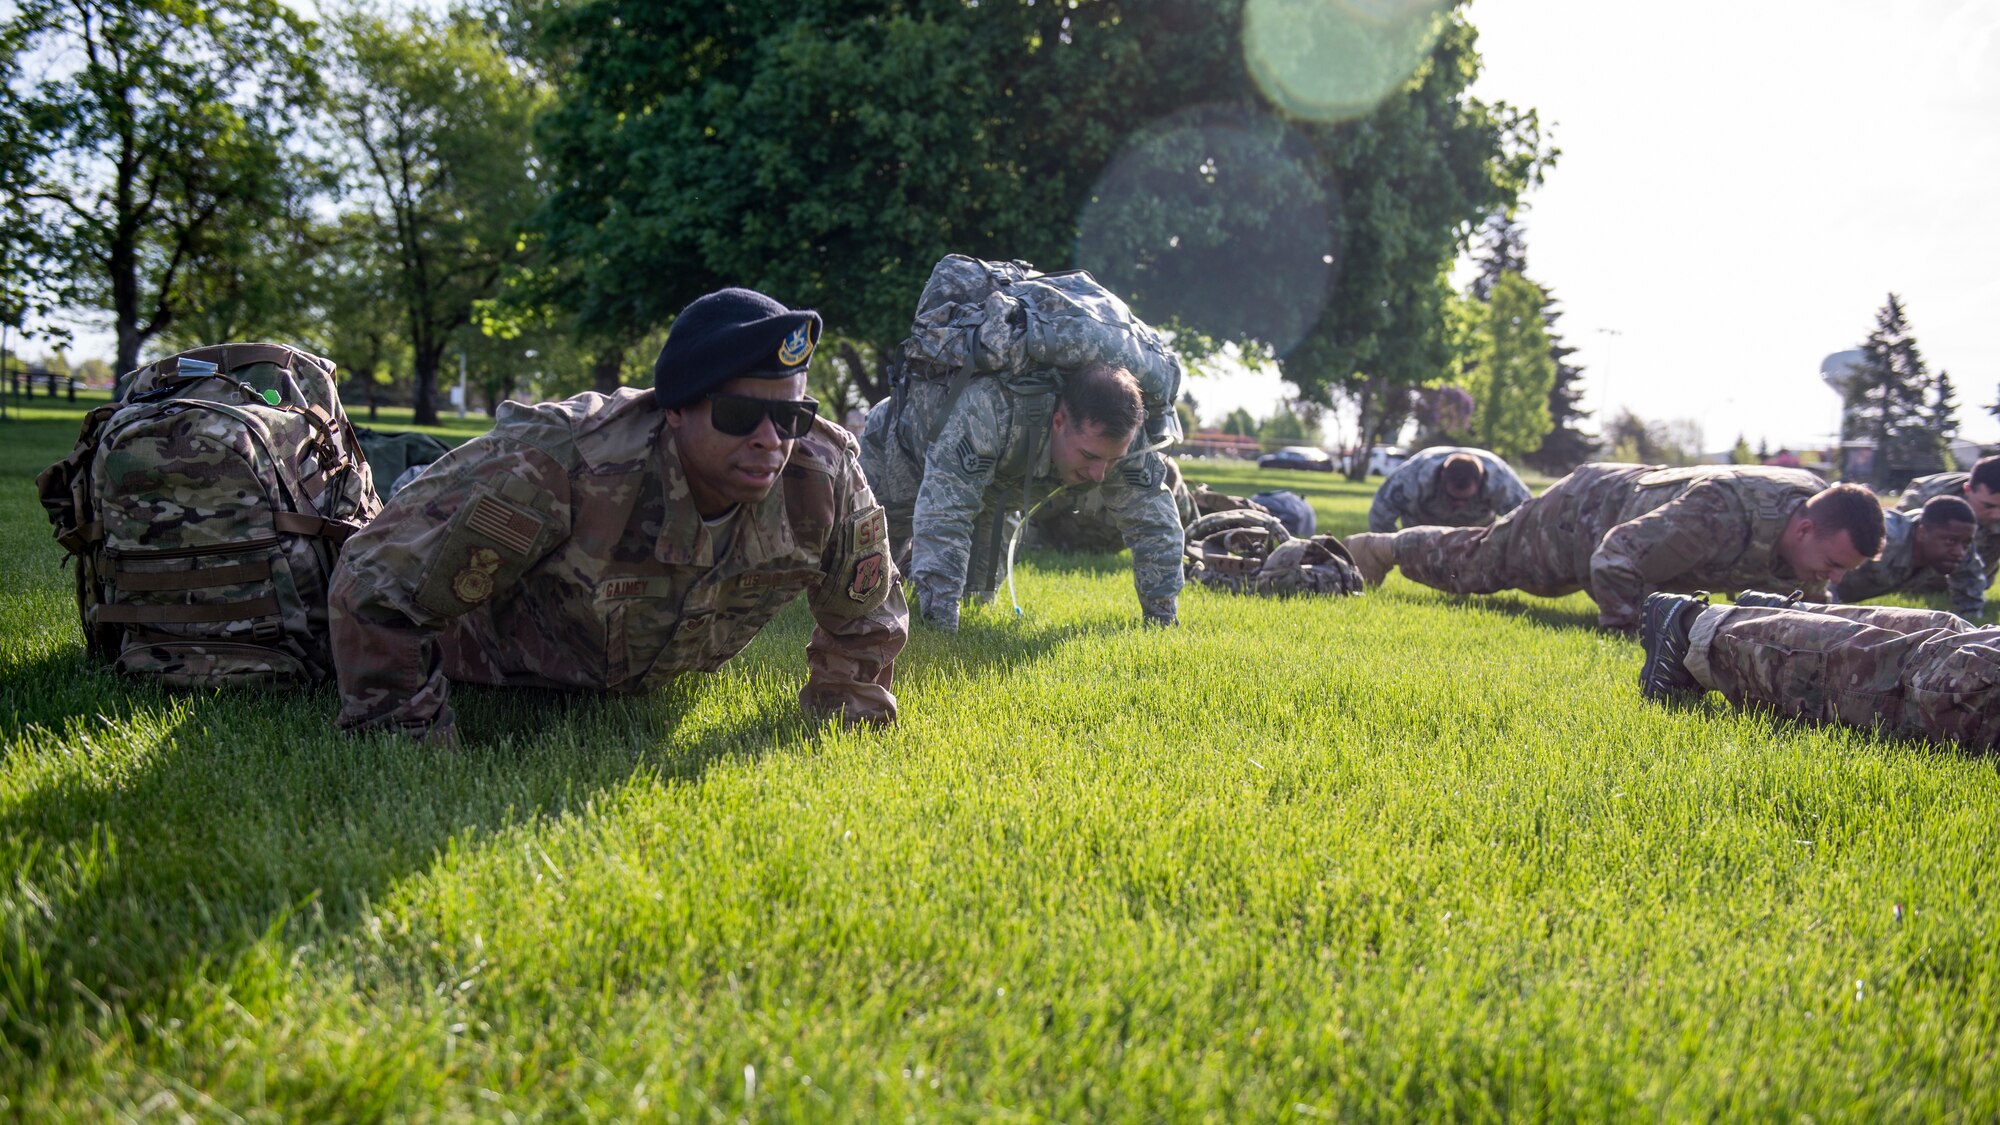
[1374, 555]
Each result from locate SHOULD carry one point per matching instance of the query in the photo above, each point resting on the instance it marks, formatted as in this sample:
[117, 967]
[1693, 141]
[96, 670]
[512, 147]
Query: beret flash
[729, 334]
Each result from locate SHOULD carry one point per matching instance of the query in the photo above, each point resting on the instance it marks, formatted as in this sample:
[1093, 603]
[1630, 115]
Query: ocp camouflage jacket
[562, 549]
[1896, 569]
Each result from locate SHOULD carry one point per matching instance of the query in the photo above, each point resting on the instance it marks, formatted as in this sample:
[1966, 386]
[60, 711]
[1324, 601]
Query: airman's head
[1096, 416]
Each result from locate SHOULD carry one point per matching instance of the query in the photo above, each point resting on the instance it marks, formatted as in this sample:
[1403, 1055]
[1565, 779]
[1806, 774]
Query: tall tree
[831, 153]
[1503, 249]
[442, 125]
[1567, 444]
[1892, 400]
[1510, 383]
[161, 130]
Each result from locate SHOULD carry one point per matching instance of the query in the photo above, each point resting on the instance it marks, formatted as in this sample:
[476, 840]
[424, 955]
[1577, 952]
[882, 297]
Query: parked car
[1298, 457]
[1386, 459]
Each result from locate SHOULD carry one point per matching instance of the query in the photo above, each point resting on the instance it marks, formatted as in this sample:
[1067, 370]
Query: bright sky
[1741, 186]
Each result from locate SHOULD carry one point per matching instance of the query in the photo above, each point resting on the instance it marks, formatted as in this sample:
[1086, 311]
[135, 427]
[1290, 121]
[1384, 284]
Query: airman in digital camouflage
[1905, 671]
[1980, 489]
[997, 449]
[1935, 541]
[1621, 532]
[612, 542]
[1447, 486]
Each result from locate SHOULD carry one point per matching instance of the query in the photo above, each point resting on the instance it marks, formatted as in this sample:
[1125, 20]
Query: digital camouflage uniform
[1985, 542]
[1621, 532]
[1908, 671]
[946, 499]
[1896, 569]
[562, 550]
[1414, 495]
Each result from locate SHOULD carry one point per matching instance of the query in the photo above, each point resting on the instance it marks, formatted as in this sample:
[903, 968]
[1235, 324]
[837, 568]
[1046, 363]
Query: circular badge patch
[472, 586]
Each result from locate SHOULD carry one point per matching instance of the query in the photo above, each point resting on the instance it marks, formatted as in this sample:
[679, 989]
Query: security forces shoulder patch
[474, 582]
[860, 578]
[489, 544]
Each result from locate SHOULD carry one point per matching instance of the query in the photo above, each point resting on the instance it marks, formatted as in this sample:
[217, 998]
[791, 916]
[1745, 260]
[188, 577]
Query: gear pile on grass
[1250, 552]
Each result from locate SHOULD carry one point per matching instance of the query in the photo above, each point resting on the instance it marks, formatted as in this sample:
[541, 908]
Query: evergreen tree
[1239, 424]
[1503, 249]
[1892, 400]
[1741, 454]
[1567, 444]
[1941, 414]
[1511, 382]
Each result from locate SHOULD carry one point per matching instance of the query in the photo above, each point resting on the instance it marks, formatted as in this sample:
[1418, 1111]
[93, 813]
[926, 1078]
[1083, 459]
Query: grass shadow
[1547, 612]
[207, 821]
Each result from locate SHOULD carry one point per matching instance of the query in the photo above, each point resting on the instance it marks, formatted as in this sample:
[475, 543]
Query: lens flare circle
[1335, 60]
[1219, 220]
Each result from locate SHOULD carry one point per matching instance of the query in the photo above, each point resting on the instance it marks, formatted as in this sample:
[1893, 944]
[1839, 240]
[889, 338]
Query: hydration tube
[1014, 541]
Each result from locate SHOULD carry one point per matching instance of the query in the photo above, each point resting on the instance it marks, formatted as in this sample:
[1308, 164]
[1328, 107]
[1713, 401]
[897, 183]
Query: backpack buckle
[267, 630]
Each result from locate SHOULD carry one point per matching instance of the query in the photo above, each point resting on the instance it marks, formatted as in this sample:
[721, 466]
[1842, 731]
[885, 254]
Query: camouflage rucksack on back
[1007, 320]
[205, 510]
[1249, 552]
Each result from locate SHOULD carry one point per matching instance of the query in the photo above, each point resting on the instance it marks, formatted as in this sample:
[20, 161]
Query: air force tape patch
[798, 345]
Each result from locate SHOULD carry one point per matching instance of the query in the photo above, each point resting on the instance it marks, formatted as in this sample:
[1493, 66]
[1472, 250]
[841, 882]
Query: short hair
[1850, 508]
[1941, 510]
[1103, 395]
[1986, 474]
[1461, 471]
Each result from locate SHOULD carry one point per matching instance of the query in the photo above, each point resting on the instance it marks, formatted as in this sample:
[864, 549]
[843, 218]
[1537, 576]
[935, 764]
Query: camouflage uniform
[1896, 569]
[946, 498]
[1985, 542]
[1414, 495]
[1907, 671]
[562, 550]
[1622, 532]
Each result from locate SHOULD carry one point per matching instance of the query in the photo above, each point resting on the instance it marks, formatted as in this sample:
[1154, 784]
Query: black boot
[1663, 631]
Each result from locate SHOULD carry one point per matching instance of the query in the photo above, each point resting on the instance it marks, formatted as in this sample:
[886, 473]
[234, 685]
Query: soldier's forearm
[937, 600]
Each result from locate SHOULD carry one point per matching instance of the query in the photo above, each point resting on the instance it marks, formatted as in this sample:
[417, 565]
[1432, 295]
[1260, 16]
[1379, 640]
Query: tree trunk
[605, 367]
[1357, 468]
[424, 400]
[879, 387]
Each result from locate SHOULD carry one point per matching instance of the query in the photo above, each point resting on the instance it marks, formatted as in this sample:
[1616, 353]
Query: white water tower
[1835, 369]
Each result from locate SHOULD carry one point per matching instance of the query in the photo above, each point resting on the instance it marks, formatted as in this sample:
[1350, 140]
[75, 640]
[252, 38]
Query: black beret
[728, 334]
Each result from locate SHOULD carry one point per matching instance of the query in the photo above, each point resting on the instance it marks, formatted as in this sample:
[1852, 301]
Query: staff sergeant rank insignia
[798, 346]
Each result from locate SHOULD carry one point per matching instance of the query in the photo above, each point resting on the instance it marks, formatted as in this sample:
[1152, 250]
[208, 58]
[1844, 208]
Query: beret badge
[798, 346]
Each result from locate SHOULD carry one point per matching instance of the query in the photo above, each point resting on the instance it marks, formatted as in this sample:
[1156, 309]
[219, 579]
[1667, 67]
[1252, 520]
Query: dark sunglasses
[740, 415]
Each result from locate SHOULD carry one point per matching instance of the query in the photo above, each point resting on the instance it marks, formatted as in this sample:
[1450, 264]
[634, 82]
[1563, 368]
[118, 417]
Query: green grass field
[1400, 857]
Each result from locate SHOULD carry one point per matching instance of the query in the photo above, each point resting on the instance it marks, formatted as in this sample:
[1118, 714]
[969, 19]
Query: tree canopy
[831, 153]
[152, 140]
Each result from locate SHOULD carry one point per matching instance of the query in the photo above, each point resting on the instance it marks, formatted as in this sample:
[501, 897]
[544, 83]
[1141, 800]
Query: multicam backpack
[205, 510]
[1247, 552]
